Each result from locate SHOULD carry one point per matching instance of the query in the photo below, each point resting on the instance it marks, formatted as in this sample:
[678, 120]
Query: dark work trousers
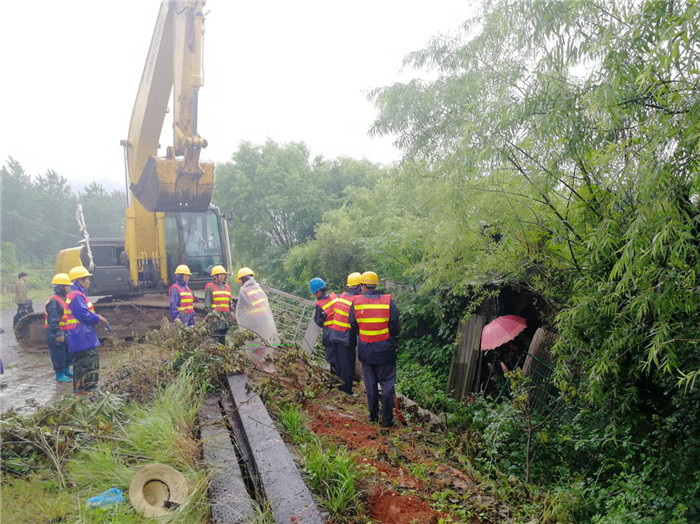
[86, 370]
[329, 355]
[385, 376]
[345, 365]
[60, 357]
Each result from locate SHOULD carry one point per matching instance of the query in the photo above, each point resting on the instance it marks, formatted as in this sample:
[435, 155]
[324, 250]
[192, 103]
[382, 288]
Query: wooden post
[466, 360]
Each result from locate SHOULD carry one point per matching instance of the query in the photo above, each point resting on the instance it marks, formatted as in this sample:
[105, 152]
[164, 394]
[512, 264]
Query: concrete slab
[286, 492]
[228, 496]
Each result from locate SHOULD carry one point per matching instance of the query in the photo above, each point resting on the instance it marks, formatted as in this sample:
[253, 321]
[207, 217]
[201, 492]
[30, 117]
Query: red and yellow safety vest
[186, 306]
[71, 321]
[341, 310]
[372, 315]
[63, 323]
[327, 305]
[221, 297]
[257, 298]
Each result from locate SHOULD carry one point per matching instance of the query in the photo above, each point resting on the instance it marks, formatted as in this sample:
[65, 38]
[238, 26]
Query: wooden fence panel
[466, 361]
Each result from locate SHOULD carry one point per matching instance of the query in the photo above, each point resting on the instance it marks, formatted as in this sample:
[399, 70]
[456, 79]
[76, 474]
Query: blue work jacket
[84, 336]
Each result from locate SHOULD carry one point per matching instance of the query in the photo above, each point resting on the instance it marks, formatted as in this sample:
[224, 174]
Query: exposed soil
[391, 493]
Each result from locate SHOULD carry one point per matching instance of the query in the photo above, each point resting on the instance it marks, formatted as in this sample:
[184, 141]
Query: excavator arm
[180, 181]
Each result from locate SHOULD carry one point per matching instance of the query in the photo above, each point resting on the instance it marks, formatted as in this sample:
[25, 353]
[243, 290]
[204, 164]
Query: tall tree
[571, 129]
[56, 210]
[104, 211]
[277, 197]
[579, 121]
[17, 207]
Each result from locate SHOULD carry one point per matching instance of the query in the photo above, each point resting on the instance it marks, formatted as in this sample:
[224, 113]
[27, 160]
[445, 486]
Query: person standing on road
[253, 313]
[217, 297]
[343, 339]
[56, 312]
[81, 335]
[324, 317]
[375, 319]
[24, 305]
[181, 297]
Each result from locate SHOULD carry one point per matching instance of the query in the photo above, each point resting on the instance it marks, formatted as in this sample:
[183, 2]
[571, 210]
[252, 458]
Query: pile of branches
[56, 431]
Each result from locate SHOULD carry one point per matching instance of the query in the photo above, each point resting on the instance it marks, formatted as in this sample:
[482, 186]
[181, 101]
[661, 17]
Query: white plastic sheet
[254, 314]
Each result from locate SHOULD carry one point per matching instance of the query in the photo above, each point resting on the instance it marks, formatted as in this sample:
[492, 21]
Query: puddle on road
[29, 375]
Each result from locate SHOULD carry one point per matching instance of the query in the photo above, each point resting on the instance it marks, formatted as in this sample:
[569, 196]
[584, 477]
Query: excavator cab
[197, 240]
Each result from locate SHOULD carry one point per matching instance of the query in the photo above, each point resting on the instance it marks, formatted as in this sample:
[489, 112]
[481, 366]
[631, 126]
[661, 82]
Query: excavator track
[129, 319]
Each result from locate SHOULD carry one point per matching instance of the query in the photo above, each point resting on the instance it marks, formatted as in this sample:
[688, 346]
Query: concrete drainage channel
[251, 467]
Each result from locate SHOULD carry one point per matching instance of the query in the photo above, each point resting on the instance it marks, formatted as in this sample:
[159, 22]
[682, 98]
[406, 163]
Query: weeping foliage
[561, 140]
[568, 135]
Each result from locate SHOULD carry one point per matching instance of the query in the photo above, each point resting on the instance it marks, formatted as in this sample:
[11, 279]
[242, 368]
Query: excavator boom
[179, 181]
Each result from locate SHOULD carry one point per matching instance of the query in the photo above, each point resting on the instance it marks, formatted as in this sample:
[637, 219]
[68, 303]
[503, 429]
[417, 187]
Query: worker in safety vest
[343, 339]
[80, 333]
[56, 312]
[181, 297]
[217, 297]
[375, 319]
[253, 313]
[324, 317]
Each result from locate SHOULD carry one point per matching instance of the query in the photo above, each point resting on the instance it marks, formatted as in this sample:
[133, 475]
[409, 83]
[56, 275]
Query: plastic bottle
[106, 498]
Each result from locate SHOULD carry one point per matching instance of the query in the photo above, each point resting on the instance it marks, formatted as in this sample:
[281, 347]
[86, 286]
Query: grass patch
[35, 498]
[108, 444]
[333, 474]
[294, 423]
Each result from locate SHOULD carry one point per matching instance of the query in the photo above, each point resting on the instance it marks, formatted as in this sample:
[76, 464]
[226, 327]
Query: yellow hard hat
[182, 269]
[244, 272]
[61, 279]
[370, 278]
[354, 279]
[78, 272]
[217, 270]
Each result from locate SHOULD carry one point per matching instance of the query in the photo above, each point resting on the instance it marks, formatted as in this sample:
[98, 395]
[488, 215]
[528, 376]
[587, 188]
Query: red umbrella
[501, 330]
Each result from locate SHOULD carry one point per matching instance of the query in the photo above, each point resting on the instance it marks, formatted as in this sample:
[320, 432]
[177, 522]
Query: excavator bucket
[165, 185]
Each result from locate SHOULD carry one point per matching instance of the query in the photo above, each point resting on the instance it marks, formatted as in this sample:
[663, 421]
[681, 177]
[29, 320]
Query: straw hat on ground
[157, 488]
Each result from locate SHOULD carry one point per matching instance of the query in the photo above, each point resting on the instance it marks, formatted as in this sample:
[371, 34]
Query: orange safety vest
[258, 299]
[327, 306]
[221, 297]
[372, 315]
[63, 323]
[186, 306]
[341, 310]
[71, 321]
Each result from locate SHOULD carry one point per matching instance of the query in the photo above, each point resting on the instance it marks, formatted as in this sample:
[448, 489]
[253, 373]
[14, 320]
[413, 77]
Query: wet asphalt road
[28, 374]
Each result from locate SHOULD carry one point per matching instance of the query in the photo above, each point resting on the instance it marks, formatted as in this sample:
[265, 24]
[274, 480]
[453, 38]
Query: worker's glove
[60, 338]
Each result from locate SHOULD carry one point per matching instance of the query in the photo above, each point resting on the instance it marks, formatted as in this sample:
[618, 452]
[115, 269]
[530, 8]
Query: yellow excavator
[169, 216]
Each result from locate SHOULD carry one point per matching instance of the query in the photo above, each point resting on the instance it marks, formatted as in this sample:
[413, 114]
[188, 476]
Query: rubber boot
[60, 377]
[67, 372]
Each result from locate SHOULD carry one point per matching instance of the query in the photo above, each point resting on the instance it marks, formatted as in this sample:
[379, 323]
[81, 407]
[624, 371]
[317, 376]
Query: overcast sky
[279, 69]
